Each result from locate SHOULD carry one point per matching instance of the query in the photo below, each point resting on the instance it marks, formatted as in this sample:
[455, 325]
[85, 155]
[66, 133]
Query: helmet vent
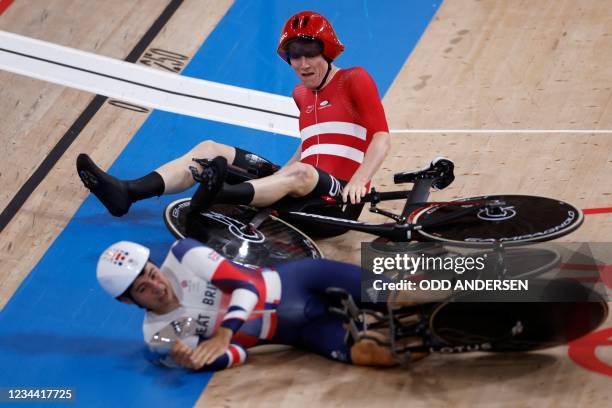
[295, 22]
[305, 21]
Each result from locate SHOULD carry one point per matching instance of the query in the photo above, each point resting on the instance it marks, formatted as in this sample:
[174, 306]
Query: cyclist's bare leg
[295, 180]
[176, 174]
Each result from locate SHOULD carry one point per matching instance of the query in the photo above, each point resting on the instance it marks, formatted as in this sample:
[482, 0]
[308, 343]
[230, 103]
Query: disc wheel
[552, 313]
[225, 228]
[506, 218]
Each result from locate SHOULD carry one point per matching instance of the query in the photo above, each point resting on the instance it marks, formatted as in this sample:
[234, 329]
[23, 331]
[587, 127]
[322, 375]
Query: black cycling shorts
[330, 186]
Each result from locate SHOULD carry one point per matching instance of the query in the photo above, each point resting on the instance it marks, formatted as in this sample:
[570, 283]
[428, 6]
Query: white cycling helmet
[119, 266]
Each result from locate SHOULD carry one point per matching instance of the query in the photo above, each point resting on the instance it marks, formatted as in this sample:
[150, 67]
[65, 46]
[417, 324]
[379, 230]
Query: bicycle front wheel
[225, 229]
[512, 219]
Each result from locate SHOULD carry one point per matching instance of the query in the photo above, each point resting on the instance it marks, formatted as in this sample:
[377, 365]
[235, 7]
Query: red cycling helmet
[309, 25]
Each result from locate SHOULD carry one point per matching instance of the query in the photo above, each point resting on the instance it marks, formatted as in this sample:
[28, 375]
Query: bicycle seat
[440, 170]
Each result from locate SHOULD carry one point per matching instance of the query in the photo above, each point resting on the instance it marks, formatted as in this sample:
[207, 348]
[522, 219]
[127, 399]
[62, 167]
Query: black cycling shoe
[112, 192]
[211, 180]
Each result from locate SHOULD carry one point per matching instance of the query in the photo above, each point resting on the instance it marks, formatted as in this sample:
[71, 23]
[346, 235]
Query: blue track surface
[60, 329]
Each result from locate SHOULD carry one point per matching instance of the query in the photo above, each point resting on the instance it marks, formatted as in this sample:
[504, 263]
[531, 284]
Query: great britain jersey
[337, 123]
[281, 305]
[214, 292]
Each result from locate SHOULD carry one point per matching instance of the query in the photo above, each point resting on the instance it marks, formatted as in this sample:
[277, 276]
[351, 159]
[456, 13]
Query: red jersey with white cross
[337, 123]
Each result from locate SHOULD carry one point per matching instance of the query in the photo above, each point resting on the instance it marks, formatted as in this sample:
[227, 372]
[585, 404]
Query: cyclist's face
[307, 62]
[152, 290]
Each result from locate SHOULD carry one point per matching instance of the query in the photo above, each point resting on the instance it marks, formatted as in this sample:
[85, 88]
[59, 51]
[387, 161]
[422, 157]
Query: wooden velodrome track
[480, 65]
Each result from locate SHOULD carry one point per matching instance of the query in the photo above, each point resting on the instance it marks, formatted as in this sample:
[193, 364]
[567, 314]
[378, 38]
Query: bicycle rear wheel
[460, 325]
[224, 228]
[518, 218]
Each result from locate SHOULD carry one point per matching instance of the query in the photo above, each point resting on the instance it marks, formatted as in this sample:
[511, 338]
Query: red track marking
[580, 267]
[603, 210]
[605, 273]
[582, 351]
[4, 4]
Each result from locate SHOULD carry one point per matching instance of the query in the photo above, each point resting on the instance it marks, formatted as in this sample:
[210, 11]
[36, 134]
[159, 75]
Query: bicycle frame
[398, 231]
[474, 221]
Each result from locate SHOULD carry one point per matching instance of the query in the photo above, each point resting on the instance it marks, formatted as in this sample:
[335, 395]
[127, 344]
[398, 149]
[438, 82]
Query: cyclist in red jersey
[342, 124]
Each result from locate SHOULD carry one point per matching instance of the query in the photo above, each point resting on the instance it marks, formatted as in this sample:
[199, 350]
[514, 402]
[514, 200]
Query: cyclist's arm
[212, 267]
[374, 157]
[370, 112]
[245, 294]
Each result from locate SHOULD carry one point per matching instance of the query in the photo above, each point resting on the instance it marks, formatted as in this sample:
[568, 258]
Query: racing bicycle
[262, 237]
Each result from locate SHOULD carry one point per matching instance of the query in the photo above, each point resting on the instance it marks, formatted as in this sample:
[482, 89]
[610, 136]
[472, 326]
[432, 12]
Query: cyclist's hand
[209, 350]
[354, 191]
[182, 355]
[206, 352]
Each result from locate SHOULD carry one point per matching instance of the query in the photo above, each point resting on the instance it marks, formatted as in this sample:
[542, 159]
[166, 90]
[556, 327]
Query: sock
[242, 193]
[151, 185]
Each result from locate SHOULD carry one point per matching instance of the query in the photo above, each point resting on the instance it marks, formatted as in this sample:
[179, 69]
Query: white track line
[157, 89]
[527, 131]
[148, 87]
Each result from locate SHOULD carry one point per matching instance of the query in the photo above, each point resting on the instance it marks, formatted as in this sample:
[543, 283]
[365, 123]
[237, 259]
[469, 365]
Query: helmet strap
[329, 67]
